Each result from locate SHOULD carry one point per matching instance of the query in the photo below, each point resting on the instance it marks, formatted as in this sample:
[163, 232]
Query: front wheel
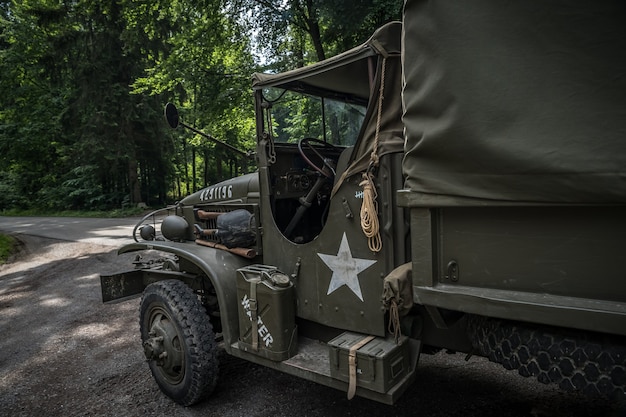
[178, 341]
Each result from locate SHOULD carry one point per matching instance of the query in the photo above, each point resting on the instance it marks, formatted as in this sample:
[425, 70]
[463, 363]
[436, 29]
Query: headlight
[147, 232]
[174, 228]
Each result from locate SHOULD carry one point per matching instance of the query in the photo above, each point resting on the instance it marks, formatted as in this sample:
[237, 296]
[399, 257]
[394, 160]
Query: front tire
[178, 341]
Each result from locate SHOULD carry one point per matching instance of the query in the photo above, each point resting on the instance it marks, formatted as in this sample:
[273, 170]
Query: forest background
[83, 84]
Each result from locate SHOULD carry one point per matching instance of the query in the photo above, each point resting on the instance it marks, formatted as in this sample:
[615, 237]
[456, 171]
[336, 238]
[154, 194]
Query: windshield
[295, 116]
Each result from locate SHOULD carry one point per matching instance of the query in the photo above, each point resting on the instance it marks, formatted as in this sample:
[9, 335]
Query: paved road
[108, 232]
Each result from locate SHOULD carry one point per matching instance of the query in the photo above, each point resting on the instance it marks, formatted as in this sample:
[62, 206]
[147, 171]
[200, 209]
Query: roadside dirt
[64, 353]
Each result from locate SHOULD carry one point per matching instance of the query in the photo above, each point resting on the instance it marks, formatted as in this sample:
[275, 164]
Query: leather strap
[352, 364]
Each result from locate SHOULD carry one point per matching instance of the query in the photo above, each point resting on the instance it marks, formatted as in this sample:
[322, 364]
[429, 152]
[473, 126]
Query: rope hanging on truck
[369, 213]
[369, 208]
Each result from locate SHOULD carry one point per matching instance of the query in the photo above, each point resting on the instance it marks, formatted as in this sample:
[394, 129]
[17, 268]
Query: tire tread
[574, 360]
[190, 315]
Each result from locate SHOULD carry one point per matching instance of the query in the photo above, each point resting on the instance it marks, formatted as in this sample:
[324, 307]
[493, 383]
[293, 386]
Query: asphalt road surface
[108, 232]
[64, 353]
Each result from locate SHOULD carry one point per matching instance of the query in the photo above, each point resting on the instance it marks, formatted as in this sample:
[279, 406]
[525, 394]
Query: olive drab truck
[456, 182]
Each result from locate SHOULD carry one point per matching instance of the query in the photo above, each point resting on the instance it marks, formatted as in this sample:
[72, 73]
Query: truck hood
[243, 189]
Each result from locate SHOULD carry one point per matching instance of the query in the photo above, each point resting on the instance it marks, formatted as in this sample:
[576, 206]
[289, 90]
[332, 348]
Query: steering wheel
[307, 143]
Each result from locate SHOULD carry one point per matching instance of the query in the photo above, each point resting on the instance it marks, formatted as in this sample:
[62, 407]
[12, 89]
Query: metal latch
[452, 271]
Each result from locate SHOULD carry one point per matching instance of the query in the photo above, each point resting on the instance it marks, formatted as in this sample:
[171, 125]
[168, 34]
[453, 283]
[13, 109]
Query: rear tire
[592, 363]
[178, 341]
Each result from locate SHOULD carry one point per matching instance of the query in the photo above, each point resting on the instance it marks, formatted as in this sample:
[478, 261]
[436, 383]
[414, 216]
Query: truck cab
[311, 284]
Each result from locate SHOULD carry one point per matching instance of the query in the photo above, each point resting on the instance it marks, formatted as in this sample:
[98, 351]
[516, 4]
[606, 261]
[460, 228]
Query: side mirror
[171, 115]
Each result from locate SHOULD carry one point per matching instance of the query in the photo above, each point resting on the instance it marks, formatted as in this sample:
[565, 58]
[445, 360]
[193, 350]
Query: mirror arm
[231, 147]
[171, 115]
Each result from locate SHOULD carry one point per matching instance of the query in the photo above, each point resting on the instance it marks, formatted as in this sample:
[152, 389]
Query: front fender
[218, 265]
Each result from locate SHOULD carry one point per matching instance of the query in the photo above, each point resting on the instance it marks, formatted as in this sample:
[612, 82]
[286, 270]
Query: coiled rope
[369, 213]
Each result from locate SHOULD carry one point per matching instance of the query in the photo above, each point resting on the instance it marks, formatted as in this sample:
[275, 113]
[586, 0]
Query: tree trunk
[133, 182]
[218, 166]
[314, 30]
[193, 169]
[206, 167]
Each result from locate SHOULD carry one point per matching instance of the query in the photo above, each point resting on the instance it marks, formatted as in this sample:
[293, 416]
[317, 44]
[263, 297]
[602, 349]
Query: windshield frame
[330, 118]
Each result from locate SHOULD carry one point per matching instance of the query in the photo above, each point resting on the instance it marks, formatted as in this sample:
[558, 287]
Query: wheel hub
[154, 350]
[164, 346]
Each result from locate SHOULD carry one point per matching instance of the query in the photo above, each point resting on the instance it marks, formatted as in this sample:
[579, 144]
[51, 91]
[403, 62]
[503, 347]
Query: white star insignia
[345, 268]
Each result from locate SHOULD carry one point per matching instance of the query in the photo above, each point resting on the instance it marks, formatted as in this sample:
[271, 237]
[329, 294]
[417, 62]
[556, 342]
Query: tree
[72, 126]
[305, 31]
[33, 102]
[83, 84]
[207, 72]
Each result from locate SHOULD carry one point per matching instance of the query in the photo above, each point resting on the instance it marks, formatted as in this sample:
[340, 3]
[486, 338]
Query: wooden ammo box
[380, 363]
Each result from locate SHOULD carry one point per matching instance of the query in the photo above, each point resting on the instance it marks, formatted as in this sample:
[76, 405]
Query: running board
[326, 364]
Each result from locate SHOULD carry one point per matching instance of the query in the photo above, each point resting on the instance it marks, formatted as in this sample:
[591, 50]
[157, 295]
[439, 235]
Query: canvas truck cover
[348, 73]
[515, 101]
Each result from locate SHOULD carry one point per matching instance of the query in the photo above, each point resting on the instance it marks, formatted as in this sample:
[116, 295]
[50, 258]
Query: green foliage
[66, 102]
[8, 247]
[351, 22]
[9, 194]
[83, 84]
[293, 33]
[207, 73]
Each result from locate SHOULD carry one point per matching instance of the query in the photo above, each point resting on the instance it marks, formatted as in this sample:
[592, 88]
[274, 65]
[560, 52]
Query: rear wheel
[577, 361]
[178, 341]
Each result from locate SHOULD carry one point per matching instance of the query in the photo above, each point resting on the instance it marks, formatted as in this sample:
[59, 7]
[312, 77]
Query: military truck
[456, 182]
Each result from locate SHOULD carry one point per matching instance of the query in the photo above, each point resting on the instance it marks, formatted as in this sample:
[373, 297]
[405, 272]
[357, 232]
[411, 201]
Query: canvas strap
[352, 362]
[254, 315]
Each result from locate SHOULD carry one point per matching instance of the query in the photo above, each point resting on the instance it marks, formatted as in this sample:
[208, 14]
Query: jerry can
[267, 316]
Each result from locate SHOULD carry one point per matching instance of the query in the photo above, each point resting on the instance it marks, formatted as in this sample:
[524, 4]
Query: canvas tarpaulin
[516, 101]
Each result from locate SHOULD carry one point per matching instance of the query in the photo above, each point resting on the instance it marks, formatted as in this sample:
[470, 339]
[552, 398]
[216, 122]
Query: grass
[7, 248]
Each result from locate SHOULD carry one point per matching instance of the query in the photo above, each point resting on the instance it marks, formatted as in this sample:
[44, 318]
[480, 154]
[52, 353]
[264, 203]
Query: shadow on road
[64, 353]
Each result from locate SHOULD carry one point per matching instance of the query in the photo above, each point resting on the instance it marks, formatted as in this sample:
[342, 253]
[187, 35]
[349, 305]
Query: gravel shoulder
[64, 353]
